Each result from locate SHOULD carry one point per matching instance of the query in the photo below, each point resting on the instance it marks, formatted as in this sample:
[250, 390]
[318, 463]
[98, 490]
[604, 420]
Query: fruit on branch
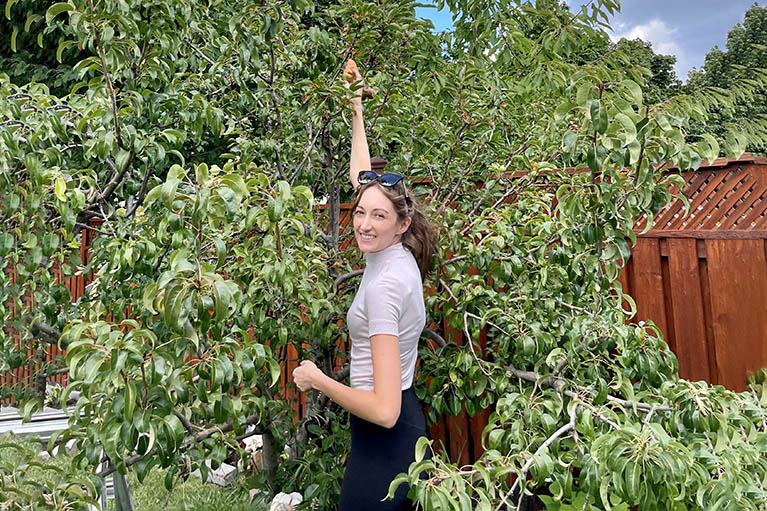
[352, 74]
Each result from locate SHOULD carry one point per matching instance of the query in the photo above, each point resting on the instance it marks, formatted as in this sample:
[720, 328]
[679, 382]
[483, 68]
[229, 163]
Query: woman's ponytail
[420, 238]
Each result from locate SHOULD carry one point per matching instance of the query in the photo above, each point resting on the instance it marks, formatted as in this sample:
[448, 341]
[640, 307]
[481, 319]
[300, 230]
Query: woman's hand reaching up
[351, 75]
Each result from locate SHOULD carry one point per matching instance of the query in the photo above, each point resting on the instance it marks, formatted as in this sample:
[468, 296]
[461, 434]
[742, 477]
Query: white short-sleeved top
[388, 301]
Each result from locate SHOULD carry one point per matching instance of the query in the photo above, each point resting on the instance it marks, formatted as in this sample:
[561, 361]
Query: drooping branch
[558, 384]
[529, 464]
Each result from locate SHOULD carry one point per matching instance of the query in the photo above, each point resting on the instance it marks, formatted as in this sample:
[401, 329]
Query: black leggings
[378, 455]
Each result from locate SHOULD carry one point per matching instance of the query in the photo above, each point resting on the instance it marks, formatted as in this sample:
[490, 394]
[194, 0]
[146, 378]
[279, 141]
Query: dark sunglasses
[387, 179]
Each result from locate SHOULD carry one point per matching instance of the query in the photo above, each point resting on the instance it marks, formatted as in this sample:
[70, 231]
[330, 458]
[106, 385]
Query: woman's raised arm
[360, 159]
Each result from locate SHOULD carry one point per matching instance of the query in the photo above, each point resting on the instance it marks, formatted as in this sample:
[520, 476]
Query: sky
[687, 29]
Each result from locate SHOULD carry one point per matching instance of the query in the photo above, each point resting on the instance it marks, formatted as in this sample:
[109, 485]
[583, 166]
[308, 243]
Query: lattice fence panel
[730, 198]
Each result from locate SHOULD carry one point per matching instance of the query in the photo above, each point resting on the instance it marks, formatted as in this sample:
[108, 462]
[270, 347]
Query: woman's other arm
[382, 404]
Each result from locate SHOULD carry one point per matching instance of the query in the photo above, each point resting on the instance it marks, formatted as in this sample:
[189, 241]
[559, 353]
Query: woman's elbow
[389, 418]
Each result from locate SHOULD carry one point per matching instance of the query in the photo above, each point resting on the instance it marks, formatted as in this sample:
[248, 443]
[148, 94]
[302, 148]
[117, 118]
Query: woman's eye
[380, 216]
[357, 213]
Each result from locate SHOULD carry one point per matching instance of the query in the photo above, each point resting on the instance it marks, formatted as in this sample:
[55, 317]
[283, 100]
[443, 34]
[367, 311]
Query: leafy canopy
[194, 145]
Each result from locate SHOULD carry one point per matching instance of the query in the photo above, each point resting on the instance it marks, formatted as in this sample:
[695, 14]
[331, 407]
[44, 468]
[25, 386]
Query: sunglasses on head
[387, 179]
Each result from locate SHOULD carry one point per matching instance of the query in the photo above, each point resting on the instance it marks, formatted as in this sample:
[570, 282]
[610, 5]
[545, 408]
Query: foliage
[27, 481]
[743, 63]
[193, 147]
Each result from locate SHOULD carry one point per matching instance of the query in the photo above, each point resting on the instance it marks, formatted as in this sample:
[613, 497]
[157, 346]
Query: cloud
[662, 37]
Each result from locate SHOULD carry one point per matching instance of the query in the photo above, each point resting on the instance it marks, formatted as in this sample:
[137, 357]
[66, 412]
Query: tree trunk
[271, 459]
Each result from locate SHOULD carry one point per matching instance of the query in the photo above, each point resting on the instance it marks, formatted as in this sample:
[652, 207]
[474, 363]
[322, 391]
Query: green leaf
[604, 485]
[173, 304]
[30, 407]
[6, 244]
[632, 476]
[60, 189]
[628, 127]
[201, 173]
[13, 38]
[420, 448]
[130, 401]
[562, 110]
[169, 192]
[30, 19]
[220, 252]
[8, 7]
[63, 45]
[400, 479]
[56, 9]
[175, 427]
[591, 159]
[223, 298]
[284, 188]
[274, 370]
[150, 292]
[122, 159]
[634, 90]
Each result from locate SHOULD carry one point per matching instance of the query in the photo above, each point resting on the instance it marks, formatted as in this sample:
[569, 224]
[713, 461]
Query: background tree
[744, 61]
[197, 138]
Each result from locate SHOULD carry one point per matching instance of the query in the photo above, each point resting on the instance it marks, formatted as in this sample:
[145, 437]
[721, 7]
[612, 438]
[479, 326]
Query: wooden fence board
[687, 302]
[738, 282]
[646, 284]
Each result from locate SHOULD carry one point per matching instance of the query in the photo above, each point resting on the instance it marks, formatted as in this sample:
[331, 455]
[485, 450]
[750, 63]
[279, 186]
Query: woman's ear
[404, 226]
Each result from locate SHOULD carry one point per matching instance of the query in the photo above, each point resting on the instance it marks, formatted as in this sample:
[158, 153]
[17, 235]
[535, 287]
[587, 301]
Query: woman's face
[375, 222]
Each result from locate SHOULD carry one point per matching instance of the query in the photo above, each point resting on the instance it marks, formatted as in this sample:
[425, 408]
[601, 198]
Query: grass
[189, 495]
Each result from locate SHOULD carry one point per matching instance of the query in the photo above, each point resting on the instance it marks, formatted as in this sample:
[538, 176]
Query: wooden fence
[701, 278]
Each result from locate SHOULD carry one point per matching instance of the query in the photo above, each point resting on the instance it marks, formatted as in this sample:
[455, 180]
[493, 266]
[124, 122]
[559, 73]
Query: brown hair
[420, 237]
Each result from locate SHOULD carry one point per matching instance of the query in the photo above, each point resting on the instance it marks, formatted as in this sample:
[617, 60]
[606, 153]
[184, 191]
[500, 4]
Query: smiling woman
[385, 323]
[376, 224]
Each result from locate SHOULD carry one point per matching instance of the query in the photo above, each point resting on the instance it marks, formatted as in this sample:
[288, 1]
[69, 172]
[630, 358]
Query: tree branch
[434, 336]
[110, 86]
[346, 276]
[528, 465]
[558, 385]
[189, 441]
[116, 180]
[342, 373]
[142, 193]
[50, 335]
[199, 52]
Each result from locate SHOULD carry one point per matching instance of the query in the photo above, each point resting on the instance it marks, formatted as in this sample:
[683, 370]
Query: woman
[385, 323]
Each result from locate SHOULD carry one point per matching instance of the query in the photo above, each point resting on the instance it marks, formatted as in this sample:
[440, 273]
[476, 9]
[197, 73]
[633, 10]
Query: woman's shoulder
[400, 272]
